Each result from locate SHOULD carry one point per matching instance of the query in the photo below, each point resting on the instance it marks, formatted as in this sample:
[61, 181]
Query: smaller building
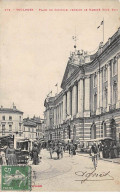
[39, 127]
[11, 122]
[29, 129]
[33, 128]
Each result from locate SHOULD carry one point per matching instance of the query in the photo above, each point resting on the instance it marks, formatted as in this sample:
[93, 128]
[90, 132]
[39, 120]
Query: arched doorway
[103, 129]
[59, 135]
[74, 133]
[93, 131]
[63, 133]
[113, 128]
[69, 132]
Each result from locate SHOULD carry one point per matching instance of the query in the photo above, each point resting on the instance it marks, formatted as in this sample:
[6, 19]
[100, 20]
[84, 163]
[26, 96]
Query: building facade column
[118, 84]
[76, 97]
[101, 88]
[64, 106]
[54, 116]
[80, 98]
[74, 100]
[68, 103]
[98, 93]
[109, 86]
[59, 114]
[87, 97]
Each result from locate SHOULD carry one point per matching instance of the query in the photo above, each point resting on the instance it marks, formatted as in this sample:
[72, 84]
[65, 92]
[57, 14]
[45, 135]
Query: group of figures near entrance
[59, 148]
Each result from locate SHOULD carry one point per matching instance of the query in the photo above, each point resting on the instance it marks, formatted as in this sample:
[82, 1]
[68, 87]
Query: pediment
[68, 72]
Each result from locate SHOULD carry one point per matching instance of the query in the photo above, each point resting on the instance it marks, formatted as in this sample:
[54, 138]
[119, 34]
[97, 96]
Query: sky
[35, 46]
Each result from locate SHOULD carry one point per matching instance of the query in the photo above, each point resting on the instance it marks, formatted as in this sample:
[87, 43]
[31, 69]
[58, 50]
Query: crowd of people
[109, 150]
[8, 155]
[61, 147]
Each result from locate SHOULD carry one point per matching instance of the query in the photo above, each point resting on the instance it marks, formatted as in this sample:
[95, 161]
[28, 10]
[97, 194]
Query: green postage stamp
[16, 178]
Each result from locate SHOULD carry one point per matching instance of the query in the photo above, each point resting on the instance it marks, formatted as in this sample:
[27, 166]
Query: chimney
[14, 107]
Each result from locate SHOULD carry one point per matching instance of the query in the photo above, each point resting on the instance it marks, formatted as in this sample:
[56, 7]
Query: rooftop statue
[77, 57]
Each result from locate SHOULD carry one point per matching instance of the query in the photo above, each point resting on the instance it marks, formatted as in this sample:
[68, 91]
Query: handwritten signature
[93, 176]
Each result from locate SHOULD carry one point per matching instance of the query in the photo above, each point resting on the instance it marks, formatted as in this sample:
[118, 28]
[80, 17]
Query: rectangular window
[19, 126]
[115, 93]
[20, 118]
[3, 118]
[95, 102]
[50, 121]
[114, 67]
[105, 98]
[10, 127]
[105, 74]
[95, 80]
[3, 127]
[10, 118]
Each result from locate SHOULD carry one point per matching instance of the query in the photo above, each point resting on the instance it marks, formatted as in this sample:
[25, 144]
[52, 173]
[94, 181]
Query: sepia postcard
[59, 96]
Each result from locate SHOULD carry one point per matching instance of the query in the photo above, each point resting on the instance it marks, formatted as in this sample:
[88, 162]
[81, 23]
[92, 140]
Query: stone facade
[88, 106]
[11, 122]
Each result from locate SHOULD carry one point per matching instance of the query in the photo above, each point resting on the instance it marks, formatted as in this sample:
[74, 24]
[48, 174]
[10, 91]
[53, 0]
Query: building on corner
[88, 106]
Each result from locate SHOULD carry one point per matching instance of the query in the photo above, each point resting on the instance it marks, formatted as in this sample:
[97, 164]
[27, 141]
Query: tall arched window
[105, 98]
[113, 128]
[59, 135]
[115, 92]
[74, 133]
[69, 132]
[103, 129]
[63, 133]
[93, 131]
[95, 102]
[115, 67]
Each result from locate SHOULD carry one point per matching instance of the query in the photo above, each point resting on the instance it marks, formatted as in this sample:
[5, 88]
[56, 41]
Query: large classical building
[88, 106]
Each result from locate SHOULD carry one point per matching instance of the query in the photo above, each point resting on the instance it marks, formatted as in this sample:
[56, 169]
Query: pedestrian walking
[58, 151]
[11, 155]
[61, 148]
[71, 150]
[3, 157]
[94, 154]
[35, 153]
[51, 151]
[74, 148]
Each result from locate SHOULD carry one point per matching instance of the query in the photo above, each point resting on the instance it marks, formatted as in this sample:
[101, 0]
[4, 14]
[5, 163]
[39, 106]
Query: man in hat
[35, 153]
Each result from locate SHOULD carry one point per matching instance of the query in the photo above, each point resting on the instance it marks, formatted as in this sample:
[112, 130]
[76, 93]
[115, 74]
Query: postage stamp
[16, 178]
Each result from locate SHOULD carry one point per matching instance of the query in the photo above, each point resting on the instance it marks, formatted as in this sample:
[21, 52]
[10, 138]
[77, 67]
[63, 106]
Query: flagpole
[57, 88]
[103, 30]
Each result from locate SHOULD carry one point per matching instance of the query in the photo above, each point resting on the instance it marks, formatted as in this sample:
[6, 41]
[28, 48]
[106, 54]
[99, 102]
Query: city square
[60, 97]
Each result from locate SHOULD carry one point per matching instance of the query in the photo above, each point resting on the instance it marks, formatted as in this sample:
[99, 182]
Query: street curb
[108, 160]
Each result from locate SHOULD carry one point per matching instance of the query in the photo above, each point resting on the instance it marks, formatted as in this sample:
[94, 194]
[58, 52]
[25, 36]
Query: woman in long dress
[11, 155]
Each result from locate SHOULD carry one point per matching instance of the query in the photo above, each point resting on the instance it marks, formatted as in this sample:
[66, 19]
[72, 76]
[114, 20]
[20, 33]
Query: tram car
[23, 147]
